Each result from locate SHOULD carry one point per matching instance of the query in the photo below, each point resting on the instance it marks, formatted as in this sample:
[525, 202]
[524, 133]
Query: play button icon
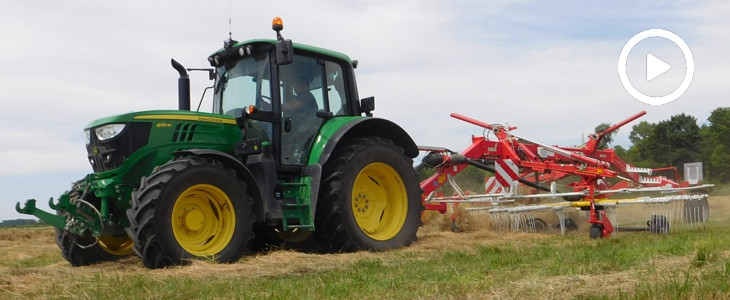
[655, 67]
[667, 78]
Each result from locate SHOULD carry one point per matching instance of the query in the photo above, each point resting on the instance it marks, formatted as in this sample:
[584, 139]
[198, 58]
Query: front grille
[110, 154]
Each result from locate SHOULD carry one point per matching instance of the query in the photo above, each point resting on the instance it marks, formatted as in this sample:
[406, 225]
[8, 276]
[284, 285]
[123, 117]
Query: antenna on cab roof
[230, 42]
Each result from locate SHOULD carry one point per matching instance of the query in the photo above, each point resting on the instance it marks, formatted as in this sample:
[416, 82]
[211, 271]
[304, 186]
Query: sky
[548, 68]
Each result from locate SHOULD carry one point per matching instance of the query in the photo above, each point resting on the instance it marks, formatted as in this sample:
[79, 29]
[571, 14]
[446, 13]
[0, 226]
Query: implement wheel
[696, 211]
[596, 231]
[190, 208]
[370, 197]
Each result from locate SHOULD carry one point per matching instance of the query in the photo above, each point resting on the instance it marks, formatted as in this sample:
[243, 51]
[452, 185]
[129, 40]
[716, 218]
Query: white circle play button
[656, 68]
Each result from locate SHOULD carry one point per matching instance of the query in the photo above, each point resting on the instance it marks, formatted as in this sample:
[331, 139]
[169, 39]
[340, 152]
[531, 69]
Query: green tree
[716, 152]
[675, 141]
[639, 153]
[608, 138]
[641, 131]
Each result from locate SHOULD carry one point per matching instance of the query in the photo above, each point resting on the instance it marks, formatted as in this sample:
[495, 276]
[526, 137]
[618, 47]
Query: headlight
[106, 132]
[87, 133]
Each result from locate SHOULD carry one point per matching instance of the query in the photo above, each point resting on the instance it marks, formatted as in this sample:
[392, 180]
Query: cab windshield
[242, 83]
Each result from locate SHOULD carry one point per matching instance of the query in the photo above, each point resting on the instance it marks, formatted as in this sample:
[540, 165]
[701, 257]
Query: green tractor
[288, 148]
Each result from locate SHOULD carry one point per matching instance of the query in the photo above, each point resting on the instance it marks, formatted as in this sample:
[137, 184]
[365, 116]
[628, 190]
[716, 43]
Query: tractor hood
[159, 116]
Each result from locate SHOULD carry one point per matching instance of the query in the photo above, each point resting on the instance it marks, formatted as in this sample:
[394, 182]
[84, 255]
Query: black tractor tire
[191, 208]
[82, 251]
[696, 211]
[78, 256]
[370, 198]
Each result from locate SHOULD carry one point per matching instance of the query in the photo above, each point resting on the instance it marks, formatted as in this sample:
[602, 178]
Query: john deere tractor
[289, 154]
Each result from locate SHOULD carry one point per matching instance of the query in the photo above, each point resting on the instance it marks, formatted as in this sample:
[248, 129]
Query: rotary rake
[592, 175]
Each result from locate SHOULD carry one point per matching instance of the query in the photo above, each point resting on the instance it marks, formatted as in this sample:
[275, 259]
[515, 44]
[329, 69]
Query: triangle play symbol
[655, 67]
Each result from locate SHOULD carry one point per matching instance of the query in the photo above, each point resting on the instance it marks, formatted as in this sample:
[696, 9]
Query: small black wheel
[696, 211]
[658, 224]
[595, 231]
[191, 208]
[570, 225]
[371, 198]
[537, 224]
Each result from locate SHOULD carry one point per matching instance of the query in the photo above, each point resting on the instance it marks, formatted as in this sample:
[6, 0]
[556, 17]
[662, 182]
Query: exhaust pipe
[183, 86]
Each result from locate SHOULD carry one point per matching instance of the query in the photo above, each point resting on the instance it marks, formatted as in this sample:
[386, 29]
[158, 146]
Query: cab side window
[336, 91]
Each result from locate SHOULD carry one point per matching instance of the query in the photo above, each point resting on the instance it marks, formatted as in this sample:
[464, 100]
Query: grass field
[686, 264]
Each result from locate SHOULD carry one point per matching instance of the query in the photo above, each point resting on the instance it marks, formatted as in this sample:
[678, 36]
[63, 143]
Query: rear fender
[336, 131]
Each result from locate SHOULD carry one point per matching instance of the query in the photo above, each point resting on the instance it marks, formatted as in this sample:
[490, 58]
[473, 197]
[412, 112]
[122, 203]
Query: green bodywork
[171, 131]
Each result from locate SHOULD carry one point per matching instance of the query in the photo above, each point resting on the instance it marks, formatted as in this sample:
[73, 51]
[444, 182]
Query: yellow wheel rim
[379, 201]
[117, 245]
[203, 220]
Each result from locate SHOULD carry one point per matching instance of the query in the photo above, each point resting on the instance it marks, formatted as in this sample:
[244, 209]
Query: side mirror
[284, 52]
[367, 105]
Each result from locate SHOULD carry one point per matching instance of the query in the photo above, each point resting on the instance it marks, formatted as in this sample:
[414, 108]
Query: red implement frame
[549, 163]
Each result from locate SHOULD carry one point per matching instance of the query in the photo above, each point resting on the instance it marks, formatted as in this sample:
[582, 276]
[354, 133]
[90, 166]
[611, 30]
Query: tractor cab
[283, 101]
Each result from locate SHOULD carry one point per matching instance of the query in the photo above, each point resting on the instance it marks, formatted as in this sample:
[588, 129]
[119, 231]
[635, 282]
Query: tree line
[680, 140]
[19, 222]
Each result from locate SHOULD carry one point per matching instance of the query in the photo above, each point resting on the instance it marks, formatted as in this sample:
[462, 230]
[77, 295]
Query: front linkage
[78, 211]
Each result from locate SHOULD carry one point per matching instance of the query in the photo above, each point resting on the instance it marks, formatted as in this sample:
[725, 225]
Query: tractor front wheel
[82, 251]
[191, 208]
[370, 198]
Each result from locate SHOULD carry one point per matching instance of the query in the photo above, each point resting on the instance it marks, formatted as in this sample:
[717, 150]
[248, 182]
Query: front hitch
[84, 219]
[30, 209]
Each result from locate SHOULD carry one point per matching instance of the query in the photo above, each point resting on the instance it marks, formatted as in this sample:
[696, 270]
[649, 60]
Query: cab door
[302, 97]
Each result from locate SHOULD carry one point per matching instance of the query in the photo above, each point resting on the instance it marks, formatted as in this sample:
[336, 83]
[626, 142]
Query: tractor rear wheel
[191, 208]
[370, 198]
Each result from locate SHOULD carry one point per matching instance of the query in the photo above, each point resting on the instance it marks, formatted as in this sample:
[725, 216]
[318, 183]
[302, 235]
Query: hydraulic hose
[460, 159]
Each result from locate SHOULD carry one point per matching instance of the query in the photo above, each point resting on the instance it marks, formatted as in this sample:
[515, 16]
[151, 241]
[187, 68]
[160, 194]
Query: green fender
[342, 128]
[338, 129]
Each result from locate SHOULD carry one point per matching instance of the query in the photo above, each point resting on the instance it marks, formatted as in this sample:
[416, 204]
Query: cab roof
[297, 46]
